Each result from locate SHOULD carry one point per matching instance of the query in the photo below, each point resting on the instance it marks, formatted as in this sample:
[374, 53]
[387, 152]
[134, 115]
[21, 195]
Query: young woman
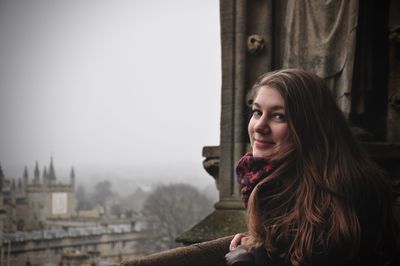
[312, 196]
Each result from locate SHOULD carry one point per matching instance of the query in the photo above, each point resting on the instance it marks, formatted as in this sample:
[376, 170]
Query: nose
[262, 125]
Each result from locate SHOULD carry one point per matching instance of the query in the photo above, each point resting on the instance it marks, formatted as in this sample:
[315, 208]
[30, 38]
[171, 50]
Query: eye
[256, 113]
[278, 117]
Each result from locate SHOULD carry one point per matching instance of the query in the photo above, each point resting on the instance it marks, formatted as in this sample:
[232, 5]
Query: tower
[72, 177]
[51, 174]
[25, 177]
[36, 175]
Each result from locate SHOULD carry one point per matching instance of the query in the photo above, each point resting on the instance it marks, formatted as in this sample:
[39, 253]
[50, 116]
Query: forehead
[269, 96]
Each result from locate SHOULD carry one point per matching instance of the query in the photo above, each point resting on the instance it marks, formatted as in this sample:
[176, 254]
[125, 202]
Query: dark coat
[259, 257]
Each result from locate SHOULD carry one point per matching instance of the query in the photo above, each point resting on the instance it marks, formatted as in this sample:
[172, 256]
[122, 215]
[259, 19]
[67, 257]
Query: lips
[263, 143]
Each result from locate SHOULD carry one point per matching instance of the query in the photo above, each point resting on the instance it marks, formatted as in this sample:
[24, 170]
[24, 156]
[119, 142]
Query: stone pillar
[246, 53]
[246, 38]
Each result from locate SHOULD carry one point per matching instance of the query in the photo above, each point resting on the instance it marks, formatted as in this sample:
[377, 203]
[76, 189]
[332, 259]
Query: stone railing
[210, 253]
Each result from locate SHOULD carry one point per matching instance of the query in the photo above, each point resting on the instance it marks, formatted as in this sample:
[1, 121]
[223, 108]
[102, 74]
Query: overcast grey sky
[118, 82]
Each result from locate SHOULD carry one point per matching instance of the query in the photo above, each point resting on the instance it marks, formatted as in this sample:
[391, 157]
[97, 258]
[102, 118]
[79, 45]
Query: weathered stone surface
[211, 253]
[222, 222]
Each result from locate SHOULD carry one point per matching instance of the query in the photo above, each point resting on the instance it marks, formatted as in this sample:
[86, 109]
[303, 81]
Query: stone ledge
[220, 223]
[211, 253]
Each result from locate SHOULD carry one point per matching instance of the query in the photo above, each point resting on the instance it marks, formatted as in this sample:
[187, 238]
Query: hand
[239, 256]
[237, 240]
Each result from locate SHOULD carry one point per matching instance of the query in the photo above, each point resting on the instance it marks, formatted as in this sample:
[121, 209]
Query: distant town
[47, 222]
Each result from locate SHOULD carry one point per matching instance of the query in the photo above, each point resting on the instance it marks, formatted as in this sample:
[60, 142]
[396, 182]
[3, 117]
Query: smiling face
[268, 127]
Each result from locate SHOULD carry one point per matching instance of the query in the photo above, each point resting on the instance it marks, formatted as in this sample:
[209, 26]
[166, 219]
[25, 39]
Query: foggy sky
[108, 83]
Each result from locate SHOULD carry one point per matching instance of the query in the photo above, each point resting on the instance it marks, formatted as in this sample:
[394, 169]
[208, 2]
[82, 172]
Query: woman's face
[268, 127]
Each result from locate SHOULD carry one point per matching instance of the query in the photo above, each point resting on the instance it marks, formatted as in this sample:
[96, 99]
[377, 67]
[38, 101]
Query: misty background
[123, 90]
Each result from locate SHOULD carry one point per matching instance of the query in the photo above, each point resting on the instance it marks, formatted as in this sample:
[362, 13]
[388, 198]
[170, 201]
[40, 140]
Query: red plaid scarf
[249, 171]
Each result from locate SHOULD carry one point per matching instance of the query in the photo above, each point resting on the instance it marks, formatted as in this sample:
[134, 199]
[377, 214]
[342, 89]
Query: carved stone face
[255, 44]
[268, 127]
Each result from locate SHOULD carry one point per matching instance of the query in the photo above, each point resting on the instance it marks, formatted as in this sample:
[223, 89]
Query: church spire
[72, 177]
[36, 174]
[26, 176]
[51, 174]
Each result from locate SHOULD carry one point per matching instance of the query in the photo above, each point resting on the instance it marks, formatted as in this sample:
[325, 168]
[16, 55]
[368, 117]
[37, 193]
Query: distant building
[81, 245]
[39, 225]
[30, 203]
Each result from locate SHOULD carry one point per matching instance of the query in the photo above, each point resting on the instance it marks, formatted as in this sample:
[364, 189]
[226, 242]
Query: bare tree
[83, 202]
[102, 192]
[170, 210]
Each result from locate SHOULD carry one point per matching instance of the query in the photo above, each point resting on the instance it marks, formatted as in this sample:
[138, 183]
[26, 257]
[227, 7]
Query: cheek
[281, 133]
[250, 128]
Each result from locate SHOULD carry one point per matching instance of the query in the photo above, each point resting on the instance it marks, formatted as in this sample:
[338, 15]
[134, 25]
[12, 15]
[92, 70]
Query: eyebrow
[273, 108]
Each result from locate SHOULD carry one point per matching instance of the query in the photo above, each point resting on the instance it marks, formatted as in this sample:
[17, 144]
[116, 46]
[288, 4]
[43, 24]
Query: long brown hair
[324, 188]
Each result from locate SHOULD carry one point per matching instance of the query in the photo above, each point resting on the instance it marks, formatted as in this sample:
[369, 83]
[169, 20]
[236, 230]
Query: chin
[258, 153]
